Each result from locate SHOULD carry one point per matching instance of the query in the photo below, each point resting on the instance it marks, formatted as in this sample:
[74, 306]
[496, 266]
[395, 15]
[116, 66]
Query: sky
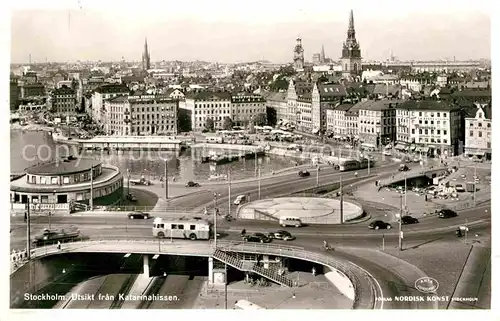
[237, 31]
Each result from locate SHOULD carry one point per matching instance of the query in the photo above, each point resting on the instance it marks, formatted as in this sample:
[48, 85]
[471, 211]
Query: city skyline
[226, 35]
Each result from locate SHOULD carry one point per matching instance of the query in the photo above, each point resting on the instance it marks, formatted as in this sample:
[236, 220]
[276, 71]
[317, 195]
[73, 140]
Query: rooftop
[335, 90]
[376, 105]
[428, 104]
[208, 95]
[63, 166]
[112, 88]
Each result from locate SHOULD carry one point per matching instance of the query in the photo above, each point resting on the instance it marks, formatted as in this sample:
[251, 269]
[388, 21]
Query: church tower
[146, 63]
[322, 58]
[298, 55]
[351, 54]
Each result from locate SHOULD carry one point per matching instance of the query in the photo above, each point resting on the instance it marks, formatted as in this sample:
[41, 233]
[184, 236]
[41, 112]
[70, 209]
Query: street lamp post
[259, 181]
[166, 180]
[317, 176]
[128, 181]
[229, 189]
[215, 219]
[28, 229]
[400, 237]
[341, 203]
[475, 176]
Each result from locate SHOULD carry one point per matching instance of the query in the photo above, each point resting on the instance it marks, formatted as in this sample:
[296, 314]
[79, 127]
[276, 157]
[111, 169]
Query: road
[430, 229]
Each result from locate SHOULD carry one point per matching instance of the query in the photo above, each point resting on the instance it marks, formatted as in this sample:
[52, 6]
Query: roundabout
[310, 210]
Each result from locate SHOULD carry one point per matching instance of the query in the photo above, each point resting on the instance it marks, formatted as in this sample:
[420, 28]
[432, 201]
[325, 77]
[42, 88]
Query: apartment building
[204, 105]
[376, 121]
[102, 93]
[340, 122]
[141, 115]
[432, 127]
[63, 101]
[478, 133]
[324, 95]
[278, 102]
[246, 107]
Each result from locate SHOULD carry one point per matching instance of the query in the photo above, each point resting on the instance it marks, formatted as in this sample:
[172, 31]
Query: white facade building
[428, 126]
[478, 133]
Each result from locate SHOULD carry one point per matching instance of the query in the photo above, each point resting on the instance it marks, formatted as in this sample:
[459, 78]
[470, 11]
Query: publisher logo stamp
[427, 284]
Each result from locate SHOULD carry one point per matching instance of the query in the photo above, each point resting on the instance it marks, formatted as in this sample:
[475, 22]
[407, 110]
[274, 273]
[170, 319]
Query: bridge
[353, 281]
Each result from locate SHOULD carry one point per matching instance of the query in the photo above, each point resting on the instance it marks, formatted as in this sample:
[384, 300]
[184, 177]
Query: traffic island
[310, 210]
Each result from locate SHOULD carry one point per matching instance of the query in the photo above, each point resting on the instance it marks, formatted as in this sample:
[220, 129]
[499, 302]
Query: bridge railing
[345, 269]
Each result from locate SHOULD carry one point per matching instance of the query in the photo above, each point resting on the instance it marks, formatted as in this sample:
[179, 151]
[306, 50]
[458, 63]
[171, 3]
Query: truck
[51, 236]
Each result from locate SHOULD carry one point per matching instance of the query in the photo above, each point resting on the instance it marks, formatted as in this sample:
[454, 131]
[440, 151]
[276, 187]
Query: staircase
[271, 273]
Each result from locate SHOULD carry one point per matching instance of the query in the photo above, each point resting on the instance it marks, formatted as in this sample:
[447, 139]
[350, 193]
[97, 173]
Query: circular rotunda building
[62, 185]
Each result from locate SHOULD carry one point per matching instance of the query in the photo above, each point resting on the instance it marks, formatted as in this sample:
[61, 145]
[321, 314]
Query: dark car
[192, 184]
[304, 174]
[256, 237]
[403, 168]
[281, 235]
[446, 213]
[138, 215]
[377, 225]
[408, 220]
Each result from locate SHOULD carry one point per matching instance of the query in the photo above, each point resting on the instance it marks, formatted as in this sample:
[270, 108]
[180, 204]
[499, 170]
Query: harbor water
[29, 148]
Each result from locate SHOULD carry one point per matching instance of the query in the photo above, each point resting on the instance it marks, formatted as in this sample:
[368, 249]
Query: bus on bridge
[184, 229]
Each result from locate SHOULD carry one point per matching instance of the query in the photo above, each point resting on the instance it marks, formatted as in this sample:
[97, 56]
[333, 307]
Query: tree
[271, 116]
[260, 119]
[228, 123]
[210, 125]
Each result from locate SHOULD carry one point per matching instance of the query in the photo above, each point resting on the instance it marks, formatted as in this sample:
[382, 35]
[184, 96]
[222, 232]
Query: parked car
[407, 219]
[446, 213]
[138, 215]
[459, 188]
[304, 174]
[281, 235]
[192, 184]
[131, 198]
[387, 153]
[256, 237]
[377, 225]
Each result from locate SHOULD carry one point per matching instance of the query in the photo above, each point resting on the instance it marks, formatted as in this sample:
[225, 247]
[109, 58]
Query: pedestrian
[25, 217]
[58, 245]
[313, 271]
[376, 183]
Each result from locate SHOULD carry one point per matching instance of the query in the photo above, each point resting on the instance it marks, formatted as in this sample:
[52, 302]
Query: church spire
[146, 62]
[351, 21]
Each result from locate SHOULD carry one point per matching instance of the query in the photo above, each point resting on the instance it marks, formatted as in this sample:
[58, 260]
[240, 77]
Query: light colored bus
[247, 305]
[183, 229]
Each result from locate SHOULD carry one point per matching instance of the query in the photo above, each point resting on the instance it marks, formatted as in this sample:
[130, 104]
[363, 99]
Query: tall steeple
[351, 21]
[322, 55]
[351, 53]
[146, 63]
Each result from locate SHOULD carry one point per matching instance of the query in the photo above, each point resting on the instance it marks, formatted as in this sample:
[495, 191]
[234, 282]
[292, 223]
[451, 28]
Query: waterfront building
[246, 107]
[97, 112]
[200, 106]
[32, 90]
[57, 186]
[341, 122]
[429, 127]
[141, 115]
[376, 121]
[15, 93]
[478, 133]
[63, 101]
[324, 95]
[351, 52]
[278, 102]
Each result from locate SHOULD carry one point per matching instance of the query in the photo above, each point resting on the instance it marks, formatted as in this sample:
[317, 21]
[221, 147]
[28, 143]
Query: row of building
[433, 125]
[120, 112]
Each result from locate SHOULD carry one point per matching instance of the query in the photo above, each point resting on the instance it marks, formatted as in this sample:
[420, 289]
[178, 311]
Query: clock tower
[351, 53]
